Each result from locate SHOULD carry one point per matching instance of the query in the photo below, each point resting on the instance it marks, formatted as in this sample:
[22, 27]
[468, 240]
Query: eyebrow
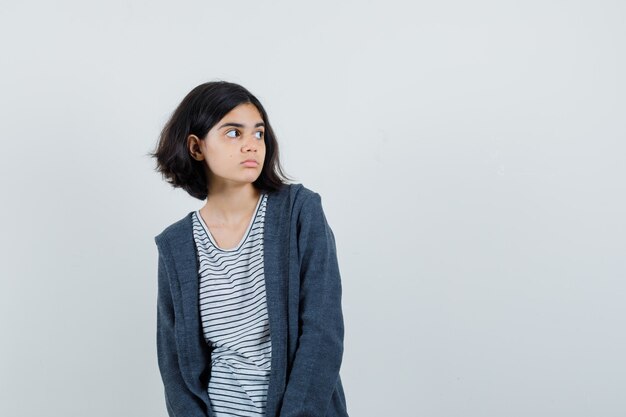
[240, 125]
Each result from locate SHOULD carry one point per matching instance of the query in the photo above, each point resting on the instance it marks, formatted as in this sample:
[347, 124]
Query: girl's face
[236, 138]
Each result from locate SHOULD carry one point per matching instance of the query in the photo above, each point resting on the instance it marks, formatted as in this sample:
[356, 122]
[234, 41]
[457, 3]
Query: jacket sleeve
[318, 356]
[180, 402]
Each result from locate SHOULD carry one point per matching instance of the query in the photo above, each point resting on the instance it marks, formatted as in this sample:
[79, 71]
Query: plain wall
[470, 156]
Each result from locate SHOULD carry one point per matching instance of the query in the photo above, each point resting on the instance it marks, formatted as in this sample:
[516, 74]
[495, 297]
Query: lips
[250, 163]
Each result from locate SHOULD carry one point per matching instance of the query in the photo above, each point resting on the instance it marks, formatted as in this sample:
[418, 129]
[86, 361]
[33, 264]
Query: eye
[261, 134]
[230, 136]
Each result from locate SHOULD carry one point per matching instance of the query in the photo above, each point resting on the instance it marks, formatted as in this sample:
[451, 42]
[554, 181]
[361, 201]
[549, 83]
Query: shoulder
[294, 197]
[307, 207]
[307, 194]
[175, 231]
[303, 202]
[291, 190]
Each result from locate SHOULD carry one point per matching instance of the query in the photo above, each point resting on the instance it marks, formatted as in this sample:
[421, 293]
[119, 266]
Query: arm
[319, 353]
[180, 402]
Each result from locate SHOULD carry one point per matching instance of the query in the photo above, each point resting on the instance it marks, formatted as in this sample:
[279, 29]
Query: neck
[232, 204]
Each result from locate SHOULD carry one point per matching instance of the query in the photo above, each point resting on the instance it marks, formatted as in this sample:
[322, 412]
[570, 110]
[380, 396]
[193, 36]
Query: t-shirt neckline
[245, 235]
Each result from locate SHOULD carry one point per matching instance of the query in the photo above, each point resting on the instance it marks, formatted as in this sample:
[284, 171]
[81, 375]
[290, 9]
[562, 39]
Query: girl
[249, 318]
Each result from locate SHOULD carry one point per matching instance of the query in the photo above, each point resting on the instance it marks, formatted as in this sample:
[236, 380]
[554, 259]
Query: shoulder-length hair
[199, 111]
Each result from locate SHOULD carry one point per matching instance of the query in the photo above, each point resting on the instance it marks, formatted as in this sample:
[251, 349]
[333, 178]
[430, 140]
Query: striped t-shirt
[234, 317]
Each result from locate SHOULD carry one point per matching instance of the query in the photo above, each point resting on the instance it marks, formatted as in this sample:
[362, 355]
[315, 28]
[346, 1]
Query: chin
[252, 179]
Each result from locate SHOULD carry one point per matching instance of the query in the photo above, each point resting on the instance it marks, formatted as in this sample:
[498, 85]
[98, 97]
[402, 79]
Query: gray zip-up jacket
[303, 287]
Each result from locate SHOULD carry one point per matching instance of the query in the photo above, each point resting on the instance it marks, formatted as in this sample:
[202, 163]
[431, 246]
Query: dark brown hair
[199, 111]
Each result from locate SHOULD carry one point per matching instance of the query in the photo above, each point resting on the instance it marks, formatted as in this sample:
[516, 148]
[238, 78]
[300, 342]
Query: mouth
[250, 163]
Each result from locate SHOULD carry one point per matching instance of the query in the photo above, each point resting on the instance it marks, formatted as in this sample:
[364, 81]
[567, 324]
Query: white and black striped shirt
[234, 317]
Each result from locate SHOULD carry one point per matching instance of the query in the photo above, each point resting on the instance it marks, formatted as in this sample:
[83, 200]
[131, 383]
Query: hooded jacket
[303, 288]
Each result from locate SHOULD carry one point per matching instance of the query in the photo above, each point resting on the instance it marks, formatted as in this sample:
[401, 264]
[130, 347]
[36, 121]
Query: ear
[193, 145]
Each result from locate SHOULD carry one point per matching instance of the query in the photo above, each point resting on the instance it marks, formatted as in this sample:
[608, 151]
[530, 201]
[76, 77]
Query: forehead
[243, 111]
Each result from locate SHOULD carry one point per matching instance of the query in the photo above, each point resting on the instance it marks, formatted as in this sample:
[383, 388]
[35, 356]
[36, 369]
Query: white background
[470, 157]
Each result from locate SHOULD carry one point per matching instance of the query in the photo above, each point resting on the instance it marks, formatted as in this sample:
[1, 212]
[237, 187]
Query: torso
[233, 314]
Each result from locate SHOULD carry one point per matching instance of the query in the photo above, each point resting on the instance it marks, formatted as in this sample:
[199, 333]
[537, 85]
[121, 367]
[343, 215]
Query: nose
[250, 144]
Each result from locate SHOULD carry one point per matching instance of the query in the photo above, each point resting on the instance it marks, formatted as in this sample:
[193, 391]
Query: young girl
[249, 318]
